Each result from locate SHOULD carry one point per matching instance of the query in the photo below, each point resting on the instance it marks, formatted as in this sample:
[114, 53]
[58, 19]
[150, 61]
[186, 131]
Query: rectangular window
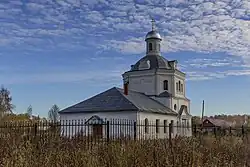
[165, 126]
[157, 125]
[172, 126]
[165, 85]
[177, 87]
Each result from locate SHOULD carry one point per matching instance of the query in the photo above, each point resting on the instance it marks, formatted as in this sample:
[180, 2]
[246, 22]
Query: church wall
[179, 102]
[175, 102]
[183, 82]
[114, 117]
[161, 79]
[152, 117]
[163, 100]
[144, 84]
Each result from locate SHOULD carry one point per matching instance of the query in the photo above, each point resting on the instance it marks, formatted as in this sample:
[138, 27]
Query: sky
[65, 51]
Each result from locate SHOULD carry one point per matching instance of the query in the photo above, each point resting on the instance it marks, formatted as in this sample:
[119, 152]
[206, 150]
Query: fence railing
[111, 130]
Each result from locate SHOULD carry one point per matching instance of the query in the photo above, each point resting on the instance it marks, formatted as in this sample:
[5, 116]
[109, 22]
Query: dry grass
[185, 152]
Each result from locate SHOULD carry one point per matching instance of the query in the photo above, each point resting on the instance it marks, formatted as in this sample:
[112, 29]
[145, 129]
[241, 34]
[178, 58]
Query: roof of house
[219, 122]
[115, 100]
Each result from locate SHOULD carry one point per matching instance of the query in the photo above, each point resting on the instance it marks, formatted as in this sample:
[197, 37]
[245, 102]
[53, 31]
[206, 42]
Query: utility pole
[202, 114]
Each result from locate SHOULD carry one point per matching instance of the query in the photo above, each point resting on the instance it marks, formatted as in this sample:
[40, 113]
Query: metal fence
[106, 131]
[215, 131]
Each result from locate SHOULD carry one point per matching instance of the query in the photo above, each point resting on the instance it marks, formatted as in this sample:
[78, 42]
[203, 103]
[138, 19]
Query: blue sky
[64, 51]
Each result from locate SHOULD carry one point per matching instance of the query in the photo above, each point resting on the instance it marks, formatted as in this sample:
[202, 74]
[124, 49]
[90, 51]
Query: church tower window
[150, 46]
[179, 85]
[165, 85]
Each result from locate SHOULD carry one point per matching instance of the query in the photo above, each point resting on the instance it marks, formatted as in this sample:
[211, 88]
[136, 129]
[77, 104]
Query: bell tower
[153, 41]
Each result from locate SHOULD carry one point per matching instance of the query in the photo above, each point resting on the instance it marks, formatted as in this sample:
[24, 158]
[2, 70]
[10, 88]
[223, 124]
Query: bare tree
[6, 106]
[53, 113]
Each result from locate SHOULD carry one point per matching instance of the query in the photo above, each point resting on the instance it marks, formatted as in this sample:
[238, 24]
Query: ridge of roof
[112, 92]
[114, 99]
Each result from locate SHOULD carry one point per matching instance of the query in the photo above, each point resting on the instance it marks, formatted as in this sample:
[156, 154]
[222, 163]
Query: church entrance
[95, 123]
[97, 130]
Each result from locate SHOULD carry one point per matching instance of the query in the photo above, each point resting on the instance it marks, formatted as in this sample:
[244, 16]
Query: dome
[153, 34]
[151, 62]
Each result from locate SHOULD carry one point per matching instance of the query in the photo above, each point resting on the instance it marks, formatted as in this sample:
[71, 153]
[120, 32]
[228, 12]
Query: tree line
[7, 108]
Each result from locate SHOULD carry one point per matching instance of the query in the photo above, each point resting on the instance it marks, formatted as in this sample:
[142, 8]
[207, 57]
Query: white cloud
[204, 75]
[134, 45]
[200, 26]
[208, 62]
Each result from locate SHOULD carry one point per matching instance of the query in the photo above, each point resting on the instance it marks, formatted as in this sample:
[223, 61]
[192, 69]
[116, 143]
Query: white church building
[153, 96]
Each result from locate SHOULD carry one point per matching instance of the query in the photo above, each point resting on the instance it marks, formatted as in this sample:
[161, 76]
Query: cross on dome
[153, 25]
[153, 34]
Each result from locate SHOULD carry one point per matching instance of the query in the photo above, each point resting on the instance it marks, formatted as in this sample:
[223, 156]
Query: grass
[185, 152]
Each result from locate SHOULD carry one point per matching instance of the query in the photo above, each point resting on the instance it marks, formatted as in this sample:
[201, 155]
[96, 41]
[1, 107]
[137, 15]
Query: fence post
[195, 130]
[230, 130]
[170, 134]
[135, 134]
[215, 131]
[107, 131]
[242, 130]
[35, 129]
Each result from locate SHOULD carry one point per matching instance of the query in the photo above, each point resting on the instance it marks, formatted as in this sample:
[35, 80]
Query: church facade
[154, 92]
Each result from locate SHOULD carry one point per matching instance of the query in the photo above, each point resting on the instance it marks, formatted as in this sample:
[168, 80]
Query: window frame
[150, 46]
[165, 85]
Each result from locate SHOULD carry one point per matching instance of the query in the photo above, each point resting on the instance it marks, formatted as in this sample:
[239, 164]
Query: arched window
[150, 47]
[165, 85]
[179, 85]
[146, 125]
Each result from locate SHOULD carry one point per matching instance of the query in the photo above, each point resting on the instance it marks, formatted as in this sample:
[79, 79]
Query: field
[203, 151]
